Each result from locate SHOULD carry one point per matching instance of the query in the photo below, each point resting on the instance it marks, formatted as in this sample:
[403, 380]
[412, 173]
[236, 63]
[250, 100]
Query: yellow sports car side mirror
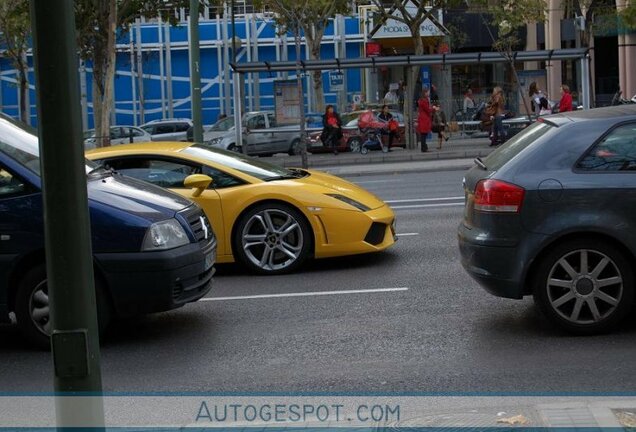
[198, 182]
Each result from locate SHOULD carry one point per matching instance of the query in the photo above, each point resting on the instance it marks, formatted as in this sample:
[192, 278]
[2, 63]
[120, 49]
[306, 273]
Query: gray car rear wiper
[480, 163]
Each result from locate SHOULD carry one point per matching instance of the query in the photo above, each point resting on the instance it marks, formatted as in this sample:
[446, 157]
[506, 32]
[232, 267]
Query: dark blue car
[153, 250]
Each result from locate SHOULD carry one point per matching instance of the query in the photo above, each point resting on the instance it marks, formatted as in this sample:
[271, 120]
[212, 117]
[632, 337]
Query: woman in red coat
[566, 99]
[424, 118]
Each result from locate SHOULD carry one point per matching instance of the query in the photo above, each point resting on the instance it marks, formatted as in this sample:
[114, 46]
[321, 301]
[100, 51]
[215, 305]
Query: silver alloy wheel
[39, 310]
[272, 239]
[354, 145]
[585, 286]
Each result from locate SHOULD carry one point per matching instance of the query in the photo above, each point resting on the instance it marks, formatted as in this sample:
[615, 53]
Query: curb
[396, 168]
[383, 159]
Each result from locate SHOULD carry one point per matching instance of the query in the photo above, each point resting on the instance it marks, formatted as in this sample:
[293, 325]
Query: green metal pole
[195, 73]
[74, 336]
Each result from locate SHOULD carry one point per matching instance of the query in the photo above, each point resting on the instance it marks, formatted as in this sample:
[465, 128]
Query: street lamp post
[236, 87]
[195, 72]
[74, 335]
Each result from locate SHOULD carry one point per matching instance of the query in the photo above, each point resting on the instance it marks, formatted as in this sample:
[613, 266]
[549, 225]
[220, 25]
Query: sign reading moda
[395, 29]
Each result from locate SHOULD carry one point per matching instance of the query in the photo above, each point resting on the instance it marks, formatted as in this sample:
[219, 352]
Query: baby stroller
[370, 128]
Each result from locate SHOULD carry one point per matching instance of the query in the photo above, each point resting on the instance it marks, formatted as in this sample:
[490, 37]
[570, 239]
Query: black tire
[294, 147]
[571, 298]
[364, 150]
[233, 147]
[301, 239]
[35, 280]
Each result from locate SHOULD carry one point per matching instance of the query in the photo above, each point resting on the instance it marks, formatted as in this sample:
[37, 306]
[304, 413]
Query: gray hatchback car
[552, 213]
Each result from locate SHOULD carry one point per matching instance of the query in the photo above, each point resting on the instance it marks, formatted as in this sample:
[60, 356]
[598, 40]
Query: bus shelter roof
[412, 60]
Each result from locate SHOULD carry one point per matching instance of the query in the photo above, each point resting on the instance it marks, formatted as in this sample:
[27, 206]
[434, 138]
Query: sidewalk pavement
[457, 153]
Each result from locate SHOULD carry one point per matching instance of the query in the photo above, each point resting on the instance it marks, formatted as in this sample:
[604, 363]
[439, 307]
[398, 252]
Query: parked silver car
[168, 129]
[261, 135]
[118, 135]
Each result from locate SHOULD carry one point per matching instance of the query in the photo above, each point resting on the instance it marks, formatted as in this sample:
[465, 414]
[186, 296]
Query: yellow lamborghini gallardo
[270, 219]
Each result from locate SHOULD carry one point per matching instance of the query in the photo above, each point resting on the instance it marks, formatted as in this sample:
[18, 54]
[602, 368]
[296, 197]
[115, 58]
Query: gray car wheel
[272, 238]
[584, 286]
[294, 148]
[354, 145]
[32, 307]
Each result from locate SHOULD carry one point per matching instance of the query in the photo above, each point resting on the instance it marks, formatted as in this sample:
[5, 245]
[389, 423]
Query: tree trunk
[97, 112]
[313, 45]
[105, 70]
[411, 91]
[25, 111]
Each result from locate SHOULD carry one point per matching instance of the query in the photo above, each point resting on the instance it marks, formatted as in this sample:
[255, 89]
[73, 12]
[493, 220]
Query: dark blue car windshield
[20, 143]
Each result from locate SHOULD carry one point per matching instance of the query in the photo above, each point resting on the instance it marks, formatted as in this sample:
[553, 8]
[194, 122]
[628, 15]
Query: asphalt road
[426, 327]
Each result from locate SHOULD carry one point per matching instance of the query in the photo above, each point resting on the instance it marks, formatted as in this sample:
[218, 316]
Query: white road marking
[416, 206]
[376, 181]
[407, 234]
[306, 294]
[424, 200]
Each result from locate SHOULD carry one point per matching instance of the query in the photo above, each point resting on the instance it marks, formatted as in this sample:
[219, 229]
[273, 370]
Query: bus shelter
[578, 54]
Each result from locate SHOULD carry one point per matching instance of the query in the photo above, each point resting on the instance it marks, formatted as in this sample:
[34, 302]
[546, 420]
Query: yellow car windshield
[245, 164]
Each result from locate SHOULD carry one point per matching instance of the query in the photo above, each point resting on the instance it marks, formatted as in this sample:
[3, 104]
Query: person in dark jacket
[391, 125]
[331, 129]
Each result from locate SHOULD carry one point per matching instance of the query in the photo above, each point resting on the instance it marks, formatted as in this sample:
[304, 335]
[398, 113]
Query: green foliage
[92, 20]
[15, 26]
[628, 17]
[309, 16]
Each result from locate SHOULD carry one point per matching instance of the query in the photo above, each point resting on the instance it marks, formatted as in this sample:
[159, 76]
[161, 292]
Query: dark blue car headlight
[168, 234]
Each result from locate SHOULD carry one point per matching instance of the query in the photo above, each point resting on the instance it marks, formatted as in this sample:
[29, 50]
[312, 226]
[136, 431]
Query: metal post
[195, 72]
[140, 71]
[238, 125]
[133, 82]
[236, 86]
[585, 81]
[226, 56]
[74, 340]
[83, 95]
[284, 52]
[248, 50]
[169, 72]
[301, 101]
[161, 66]
[256, 76]
[219, 62]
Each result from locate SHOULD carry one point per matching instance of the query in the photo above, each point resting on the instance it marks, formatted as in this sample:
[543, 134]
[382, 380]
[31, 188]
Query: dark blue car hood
[134, 196]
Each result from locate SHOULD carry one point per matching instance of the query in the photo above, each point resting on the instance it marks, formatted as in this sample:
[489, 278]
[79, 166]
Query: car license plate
[210, 258]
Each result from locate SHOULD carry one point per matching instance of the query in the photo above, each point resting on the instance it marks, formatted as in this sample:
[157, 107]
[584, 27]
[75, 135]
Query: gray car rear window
[516, 145]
